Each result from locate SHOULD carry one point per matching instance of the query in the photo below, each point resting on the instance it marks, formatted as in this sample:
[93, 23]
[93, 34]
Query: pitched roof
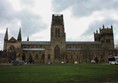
[36, 42]
[83, 42]
[84, 49]
[34, 49]
[12, 39]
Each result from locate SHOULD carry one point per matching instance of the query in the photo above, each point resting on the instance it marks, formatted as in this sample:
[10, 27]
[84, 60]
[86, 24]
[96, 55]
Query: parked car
[113, 60]
[18, 62]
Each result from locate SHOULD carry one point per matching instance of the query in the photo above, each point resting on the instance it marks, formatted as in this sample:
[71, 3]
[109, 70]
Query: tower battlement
[104, 30]
[57, 19]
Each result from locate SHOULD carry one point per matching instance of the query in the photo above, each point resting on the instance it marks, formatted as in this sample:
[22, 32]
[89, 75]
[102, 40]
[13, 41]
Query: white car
[113, 60]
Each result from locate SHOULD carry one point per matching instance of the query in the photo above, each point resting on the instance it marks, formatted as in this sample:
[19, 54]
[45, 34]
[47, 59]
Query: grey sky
[96, 25]
[29, 21]
[84, 7]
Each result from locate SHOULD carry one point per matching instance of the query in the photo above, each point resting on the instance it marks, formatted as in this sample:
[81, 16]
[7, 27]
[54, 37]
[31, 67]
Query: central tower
[58, 37]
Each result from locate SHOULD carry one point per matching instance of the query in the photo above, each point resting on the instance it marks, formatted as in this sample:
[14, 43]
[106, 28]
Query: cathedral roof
[36, 42]
[75, 42]
[48, 42]
[34, 49]
[76, 49]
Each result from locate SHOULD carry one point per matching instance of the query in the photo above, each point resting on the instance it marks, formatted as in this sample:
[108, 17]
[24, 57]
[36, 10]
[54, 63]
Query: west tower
[58, 37]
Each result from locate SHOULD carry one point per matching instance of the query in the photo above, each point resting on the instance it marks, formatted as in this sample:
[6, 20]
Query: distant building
[58, 49]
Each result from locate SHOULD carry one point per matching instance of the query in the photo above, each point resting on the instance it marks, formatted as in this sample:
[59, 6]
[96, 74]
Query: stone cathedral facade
[58, 49]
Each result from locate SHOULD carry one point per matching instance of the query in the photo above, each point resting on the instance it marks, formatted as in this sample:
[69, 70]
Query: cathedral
[58, 49]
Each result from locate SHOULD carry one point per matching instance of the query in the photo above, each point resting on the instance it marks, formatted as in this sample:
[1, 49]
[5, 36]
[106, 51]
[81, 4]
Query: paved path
[5, 64]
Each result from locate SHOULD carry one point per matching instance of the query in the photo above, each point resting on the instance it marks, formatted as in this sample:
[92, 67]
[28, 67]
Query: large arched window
[12, 53]
[56, 52]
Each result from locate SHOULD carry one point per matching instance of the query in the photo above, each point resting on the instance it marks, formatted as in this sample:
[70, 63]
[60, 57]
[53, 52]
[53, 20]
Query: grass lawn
[66, 73]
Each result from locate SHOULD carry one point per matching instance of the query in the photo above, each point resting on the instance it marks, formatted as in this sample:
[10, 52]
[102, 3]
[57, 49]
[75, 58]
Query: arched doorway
[23, 57]
[56, 52]
[30, 59]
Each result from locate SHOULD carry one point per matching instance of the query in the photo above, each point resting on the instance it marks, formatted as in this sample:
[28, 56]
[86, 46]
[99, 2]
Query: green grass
[67, 73]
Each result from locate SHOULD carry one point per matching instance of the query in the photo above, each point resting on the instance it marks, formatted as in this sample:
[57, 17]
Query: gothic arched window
[57, 32]
[12, 53]
[56, 52]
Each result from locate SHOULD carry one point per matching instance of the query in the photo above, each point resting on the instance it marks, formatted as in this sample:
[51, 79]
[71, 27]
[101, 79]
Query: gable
[12, 39]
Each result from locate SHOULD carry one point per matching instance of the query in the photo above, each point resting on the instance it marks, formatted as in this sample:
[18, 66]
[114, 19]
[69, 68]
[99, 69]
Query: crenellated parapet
[106, 30]
[57, 19]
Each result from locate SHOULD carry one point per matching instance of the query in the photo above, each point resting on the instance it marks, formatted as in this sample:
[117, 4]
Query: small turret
[6, 39]
[111, 26]
[6, 35]
[103, 27]
[19, 38]
[28, 38]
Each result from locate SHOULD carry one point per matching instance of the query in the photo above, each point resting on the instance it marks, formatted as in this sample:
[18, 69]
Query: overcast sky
[81, 18]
